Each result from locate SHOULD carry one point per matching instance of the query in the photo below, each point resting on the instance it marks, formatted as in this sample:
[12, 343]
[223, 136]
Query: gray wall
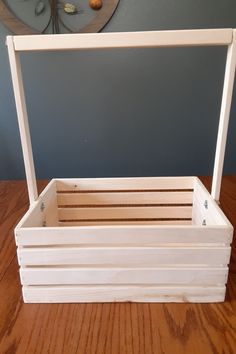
[123, 112]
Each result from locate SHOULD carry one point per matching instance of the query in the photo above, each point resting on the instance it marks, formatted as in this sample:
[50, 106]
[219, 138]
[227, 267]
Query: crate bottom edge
[96, 294]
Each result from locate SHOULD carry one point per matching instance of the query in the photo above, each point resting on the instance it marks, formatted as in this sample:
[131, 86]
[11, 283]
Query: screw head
[42, 207]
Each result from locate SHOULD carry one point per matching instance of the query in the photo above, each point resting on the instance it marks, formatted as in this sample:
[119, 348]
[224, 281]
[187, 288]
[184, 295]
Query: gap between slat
[97, 286]
[128, 245]
[128, 219]
[78, 206]
[126, 223]
[122, 191]
[127, 266]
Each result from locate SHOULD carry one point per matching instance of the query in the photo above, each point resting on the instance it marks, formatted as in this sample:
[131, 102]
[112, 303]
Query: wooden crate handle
[224, 118]
[182, 38]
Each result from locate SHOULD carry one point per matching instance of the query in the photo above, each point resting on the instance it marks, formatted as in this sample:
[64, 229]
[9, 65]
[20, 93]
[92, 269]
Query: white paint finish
[224, 118]
[105, 213]
[145, 256]
[22, 120]
[163, 276]
[131, 183]
[130, 198]
[124, 40]
[143, 235]
[70, 294]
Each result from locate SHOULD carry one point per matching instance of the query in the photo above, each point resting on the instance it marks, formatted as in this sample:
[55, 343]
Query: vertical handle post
[224, 118]
[22, 120]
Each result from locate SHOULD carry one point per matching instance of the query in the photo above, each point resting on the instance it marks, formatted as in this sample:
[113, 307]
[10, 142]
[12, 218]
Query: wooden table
[126, 328]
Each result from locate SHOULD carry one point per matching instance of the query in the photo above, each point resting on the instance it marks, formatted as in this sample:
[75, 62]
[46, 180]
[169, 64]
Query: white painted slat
[124, 40]
[70, 294]
[164, 276]
[135, 183]
[124, 213]
[145, 235]
[129, 198]
[145, 256]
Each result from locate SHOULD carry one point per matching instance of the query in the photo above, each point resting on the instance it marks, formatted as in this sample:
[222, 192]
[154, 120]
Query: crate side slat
[131, 183]
[201, 215]
[70, 294]
[34, 217]
[213, 214]
[170, 276]
[37, 216]
[96, 213]
[123, 234]
[129, 198]
[202, 211]
[148, 256]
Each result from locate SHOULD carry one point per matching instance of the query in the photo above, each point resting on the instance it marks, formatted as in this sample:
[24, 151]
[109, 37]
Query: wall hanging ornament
[55, 16]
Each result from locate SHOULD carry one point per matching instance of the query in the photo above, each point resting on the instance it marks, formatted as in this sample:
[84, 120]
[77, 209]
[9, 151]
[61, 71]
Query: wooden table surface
[127, 328]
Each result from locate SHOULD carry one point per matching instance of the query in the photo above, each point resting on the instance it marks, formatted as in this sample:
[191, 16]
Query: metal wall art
[55, 16]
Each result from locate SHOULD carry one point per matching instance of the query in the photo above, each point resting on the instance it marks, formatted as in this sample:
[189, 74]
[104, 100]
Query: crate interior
[125, 201]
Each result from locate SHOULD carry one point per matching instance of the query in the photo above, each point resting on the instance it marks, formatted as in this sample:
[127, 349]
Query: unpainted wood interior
[121, 203]
[108, 207]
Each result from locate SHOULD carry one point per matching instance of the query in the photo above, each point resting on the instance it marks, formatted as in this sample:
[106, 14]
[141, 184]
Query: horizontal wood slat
[145, 256]
[128, 184]
[122, 198]
[167, 276]
[111, 293]
[144, 235]
[109, 213]
[124, 40]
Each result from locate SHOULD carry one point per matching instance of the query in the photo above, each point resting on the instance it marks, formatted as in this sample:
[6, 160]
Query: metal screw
[204, 222]
[206, 204]
[42, 207]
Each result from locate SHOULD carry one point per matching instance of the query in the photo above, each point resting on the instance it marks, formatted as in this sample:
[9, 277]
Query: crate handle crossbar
[181, 38]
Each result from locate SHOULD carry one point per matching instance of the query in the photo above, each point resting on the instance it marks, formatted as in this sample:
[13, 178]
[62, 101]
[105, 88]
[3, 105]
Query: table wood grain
[126, 328]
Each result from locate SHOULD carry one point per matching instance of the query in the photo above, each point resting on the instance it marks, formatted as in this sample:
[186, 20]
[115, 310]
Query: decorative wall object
[54, 16]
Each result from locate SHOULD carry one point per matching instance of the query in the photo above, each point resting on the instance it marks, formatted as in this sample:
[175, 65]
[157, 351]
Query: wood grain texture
[108, 328]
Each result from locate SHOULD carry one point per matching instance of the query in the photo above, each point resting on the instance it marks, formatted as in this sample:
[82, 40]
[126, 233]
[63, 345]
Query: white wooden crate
[151, 239]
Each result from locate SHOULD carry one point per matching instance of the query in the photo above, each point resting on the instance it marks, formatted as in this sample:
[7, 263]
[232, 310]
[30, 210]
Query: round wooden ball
[95, 4]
